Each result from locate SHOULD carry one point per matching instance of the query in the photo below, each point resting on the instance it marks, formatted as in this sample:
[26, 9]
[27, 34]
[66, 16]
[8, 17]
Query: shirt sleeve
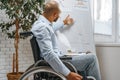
[58, 25]
[44, 41]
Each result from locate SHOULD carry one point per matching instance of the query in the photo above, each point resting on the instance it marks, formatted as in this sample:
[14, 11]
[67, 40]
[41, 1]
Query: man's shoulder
[40, 27]
[39, 23]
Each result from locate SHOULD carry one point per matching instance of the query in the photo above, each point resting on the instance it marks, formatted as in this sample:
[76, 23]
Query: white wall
[109, 59]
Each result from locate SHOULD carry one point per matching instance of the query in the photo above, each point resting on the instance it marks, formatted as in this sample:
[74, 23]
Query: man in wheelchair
[44, 31]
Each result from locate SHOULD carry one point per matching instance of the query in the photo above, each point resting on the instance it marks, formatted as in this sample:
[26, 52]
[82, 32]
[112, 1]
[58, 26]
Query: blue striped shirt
[46, 38]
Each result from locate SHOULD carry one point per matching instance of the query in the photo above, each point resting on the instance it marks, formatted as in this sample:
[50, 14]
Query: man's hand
[68, 20]
[74, 76]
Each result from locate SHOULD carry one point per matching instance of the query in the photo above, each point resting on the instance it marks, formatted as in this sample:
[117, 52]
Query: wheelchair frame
[41, 67]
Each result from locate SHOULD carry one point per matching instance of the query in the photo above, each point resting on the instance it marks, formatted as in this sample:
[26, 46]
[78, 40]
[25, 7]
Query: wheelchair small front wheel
[42, 73]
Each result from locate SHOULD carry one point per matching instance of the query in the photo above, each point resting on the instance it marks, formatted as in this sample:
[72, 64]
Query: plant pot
[14, 76]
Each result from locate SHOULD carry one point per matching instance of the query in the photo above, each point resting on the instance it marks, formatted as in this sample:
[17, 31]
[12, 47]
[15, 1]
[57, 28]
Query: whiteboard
[77, 37]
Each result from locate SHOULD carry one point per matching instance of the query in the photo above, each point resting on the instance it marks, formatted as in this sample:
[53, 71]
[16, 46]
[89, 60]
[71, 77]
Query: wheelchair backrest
[35, 49]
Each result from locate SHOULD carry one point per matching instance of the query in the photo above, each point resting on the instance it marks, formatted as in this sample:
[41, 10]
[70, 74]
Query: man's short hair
[51, 6]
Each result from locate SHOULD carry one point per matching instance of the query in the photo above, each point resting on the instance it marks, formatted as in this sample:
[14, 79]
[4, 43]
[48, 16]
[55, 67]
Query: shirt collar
[43, 19]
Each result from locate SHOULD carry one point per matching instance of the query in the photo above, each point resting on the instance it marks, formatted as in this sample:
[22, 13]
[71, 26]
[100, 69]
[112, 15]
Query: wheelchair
[41, 70]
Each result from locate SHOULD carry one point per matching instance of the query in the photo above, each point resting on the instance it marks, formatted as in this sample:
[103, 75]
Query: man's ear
[55, 14]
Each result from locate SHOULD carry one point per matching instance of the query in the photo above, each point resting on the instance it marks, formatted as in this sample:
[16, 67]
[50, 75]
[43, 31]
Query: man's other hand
[74, 76]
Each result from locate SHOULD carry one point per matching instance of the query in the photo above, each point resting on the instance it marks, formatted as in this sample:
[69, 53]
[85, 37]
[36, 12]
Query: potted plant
[22, 14]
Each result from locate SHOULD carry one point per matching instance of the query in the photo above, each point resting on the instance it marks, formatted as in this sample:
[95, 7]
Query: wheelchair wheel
[41, 73]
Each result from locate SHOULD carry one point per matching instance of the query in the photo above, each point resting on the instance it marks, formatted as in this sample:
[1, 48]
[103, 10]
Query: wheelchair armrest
[66, 58]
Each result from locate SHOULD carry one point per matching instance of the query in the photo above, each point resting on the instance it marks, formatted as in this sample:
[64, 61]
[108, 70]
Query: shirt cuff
[66, 72]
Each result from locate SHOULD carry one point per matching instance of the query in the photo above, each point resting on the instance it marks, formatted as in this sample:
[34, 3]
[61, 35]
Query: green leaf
[23, 10]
